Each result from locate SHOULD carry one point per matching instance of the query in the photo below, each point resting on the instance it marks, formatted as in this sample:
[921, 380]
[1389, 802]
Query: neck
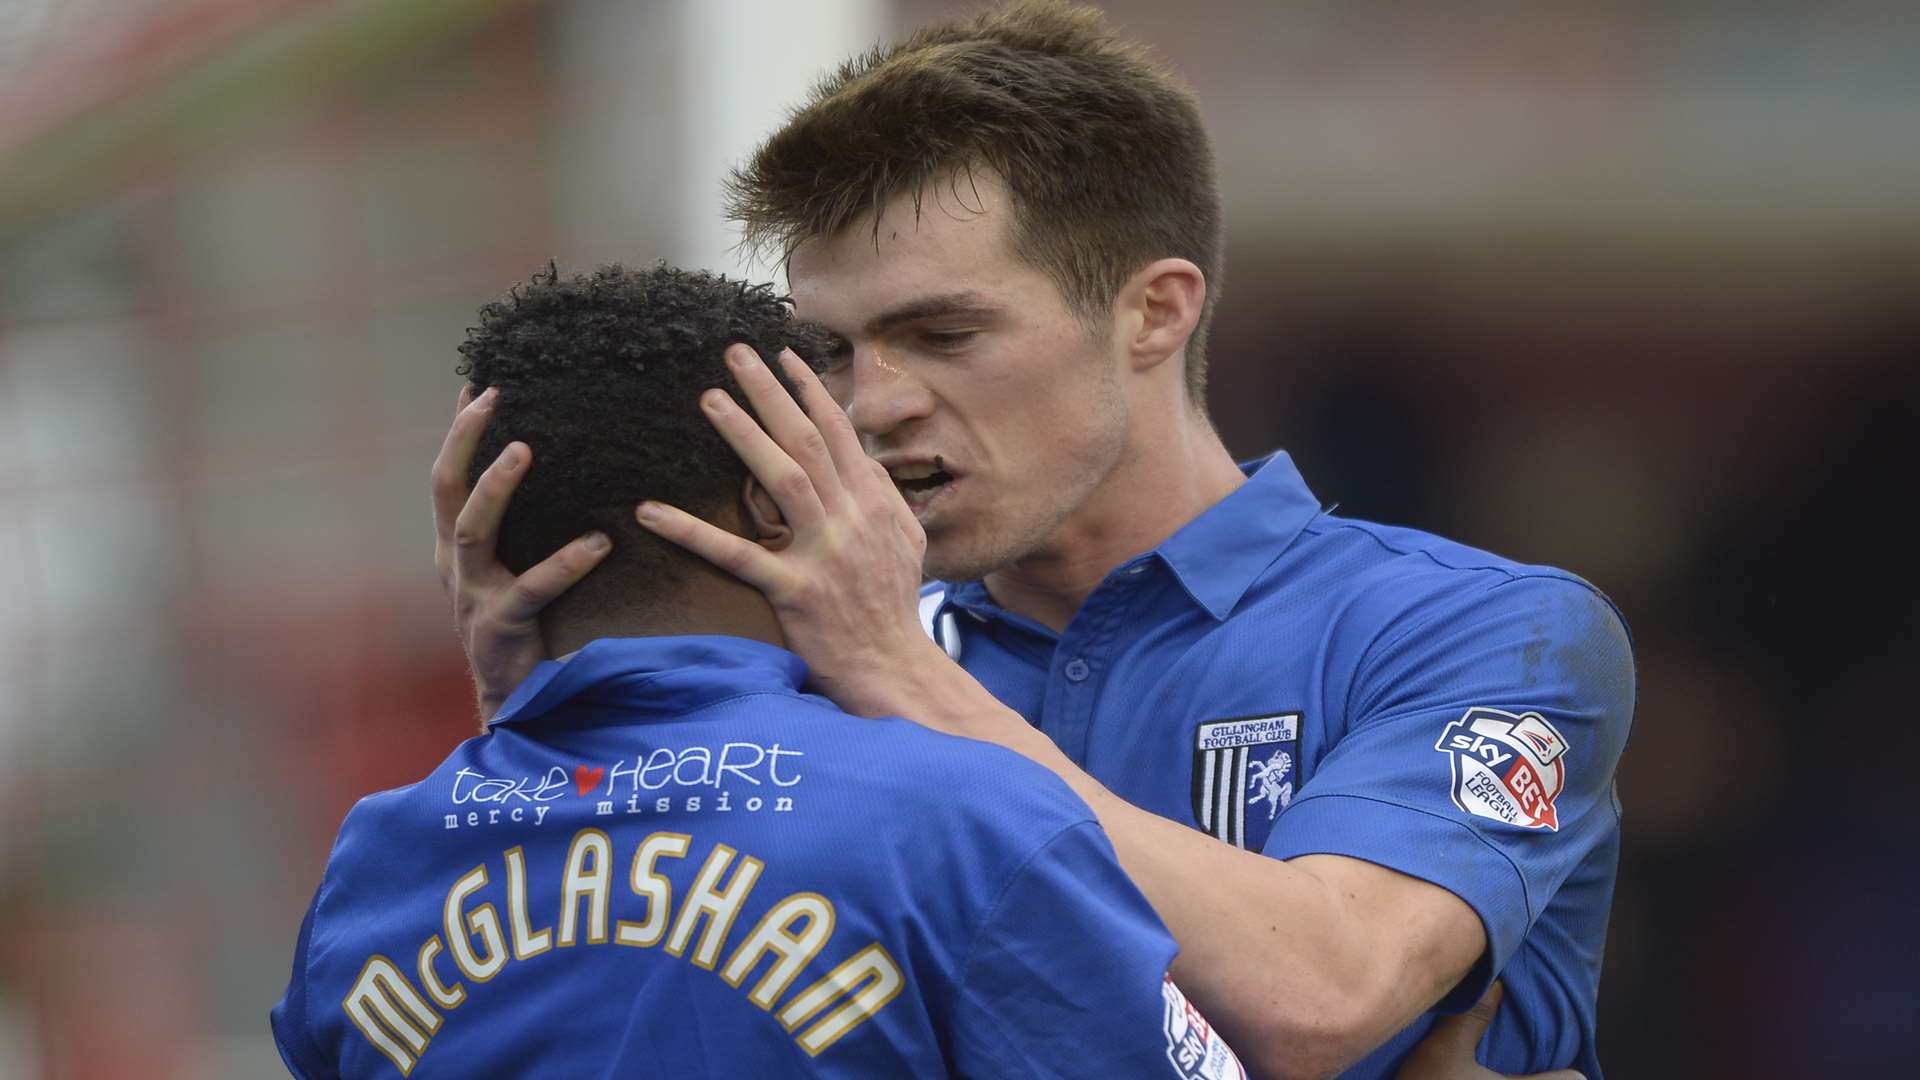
[708, 604]
[1164, 481]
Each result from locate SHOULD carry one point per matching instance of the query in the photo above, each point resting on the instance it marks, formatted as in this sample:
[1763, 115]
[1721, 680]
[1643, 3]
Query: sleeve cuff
[1419, 844]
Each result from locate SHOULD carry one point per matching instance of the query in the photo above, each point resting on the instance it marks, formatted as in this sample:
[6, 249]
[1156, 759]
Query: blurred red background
[1629, 289]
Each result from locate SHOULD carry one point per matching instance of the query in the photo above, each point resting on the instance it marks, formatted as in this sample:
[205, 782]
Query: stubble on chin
[972, 556]
[961, 557]
[958, 566]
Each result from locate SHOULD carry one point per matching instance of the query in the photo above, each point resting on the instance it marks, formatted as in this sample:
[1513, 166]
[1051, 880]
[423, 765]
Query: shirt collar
[650, 677]
[1218, 555]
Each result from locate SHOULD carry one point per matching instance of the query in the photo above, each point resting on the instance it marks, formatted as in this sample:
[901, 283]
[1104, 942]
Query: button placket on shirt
[1088, 642]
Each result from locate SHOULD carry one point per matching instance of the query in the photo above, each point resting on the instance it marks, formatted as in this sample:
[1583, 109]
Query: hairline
[1011, 234]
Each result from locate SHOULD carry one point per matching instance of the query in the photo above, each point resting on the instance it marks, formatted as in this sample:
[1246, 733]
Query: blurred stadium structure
[1630, 288]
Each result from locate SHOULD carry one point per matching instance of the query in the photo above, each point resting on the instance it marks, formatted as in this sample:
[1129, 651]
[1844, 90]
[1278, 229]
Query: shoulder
[927, 779]
[981, 784]
[1416, 611]
[370, 819]
[966, 810]
[363, 856]
[1397, 578]
[381, 806]
[365, 849]
[1548, 641]
[977, 817]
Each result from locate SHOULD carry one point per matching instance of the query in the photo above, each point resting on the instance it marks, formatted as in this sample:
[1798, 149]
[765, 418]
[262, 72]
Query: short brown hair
[1100, 146]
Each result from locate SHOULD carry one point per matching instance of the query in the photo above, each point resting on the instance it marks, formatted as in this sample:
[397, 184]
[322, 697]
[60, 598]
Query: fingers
[1484, 1010]
[896, 508]
[1456, 1038]
[534, 590]
[843, 443]
[863, 476]
[786, 422]
[477, 525]
[742, 558]
[456, 455]
[792, 487]
[1450, 1045]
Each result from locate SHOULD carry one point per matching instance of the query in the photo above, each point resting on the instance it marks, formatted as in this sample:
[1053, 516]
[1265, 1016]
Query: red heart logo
[585, 779]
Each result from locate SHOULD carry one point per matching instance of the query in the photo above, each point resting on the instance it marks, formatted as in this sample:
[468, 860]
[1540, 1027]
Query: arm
[1473, 779]
[1305, 965]
[292, 1035]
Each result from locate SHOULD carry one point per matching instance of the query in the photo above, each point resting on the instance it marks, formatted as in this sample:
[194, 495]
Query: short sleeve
[1067, 978]
[289, 1017]
[1479, 753]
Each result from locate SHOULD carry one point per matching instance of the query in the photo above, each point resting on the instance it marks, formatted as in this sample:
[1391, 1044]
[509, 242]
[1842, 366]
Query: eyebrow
[931, 307]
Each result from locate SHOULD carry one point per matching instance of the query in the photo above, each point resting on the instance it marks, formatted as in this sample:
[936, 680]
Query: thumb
[1450, 1045]
[1458, 1036]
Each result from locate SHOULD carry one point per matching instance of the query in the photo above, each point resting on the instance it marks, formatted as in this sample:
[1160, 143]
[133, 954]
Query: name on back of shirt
[402, 1015]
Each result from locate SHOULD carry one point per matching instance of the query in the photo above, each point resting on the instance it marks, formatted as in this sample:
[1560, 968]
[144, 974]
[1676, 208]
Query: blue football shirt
[666, 860]
[1297, 683]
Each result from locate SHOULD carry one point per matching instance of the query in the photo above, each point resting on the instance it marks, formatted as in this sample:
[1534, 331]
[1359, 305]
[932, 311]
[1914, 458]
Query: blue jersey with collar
[666, 860]
[1298, 683]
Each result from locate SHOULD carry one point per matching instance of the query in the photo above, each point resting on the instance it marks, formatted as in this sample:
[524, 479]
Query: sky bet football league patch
[1195, 1049]
[1506, 767]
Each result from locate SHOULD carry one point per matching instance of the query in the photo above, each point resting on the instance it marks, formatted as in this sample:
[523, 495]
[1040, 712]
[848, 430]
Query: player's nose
[884, 393]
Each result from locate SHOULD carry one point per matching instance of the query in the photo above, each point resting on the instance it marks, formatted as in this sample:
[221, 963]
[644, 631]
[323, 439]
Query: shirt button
[1141, 569]
[1077, 670]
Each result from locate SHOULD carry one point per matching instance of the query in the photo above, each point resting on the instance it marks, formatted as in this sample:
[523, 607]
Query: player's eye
[948, 340]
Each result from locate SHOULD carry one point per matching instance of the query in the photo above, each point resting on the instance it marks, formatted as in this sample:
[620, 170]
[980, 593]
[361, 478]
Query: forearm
[1288, 960]
[1290, 963]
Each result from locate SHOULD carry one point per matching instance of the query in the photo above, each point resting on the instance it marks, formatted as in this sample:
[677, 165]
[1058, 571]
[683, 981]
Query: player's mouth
[921, 482]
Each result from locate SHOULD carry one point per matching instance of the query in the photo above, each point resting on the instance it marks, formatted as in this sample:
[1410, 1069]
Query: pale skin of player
[1073, 448]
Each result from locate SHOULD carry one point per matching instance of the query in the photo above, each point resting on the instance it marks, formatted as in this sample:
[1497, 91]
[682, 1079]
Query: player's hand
[1447, 1053]
[846, 589]
[495, 612]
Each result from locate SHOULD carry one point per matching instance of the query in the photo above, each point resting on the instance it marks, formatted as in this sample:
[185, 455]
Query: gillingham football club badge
[1506, 767]
[1243, 776]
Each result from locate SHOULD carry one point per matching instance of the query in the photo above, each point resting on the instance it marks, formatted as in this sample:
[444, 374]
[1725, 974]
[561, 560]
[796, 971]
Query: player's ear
[760, 517]
[1157, 310]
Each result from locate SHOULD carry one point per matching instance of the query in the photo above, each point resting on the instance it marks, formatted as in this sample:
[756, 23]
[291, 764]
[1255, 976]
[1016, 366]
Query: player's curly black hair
[601, 374]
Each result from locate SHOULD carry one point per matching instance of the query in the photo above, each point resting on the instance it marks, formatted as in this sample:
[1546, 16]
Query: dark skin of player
[708, 601]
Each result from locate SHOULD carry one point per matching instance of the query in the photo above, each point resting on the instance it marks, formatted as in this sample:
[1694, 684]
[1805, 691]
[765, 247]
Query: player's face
[997, 410]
